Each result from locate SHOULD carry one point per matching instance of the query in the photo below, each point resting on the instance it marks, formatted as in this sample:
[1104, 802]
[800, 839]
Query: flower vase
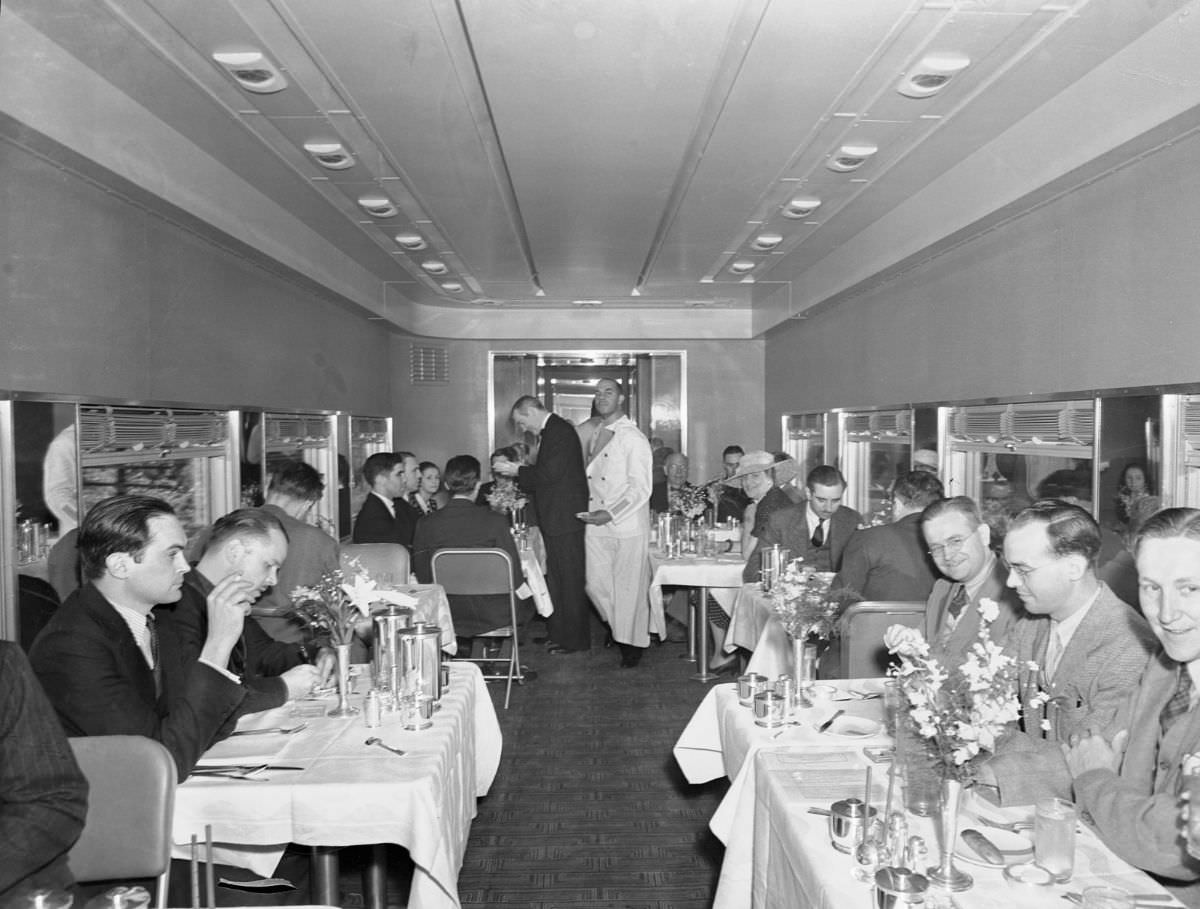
[343, 707]
[804, 661]
[944, 874]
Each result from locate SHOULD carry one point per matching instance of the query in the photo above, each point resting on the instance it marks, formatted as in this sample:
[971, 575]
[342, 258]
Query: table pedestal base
[699, 617]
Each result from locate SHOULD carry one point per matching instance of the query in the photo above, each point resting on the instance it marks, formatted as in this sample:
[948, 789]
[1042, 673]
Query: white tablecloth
[535, 580]
[431, 606]
[722, 576]
[353, 794]
[754, 627]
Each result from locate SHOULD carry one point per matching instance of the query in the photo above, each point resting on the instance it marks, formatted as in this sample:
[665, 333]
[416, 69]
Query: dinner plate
[870, 686]
[1001, 839]
[853, 727]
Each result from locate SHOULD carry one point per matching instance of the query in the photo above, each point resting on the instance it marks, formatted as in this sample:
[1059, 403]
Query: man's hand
[1092, 752]
[300, 680]
[598, 518]
[505, 467]
[228, 605]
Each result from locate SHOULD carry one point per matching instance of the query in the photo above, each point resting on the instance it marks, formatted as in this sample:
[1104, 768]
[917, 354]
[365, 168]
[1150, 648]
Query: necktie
[958, 602]
[1180, 701]
[1054, 652]
[152, 633]
[818, 537]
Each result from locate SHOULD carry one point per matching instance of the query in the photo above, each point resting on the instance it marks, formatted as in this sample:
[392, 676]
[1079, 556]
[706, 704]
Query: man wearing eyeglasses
[1090, 647]
[958, 542]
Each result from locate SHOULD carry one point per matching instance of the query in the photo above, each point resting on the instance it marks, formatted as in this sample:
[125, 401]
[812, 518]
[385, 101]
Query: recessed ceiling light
[253, 71]
[930, 75]
[330, 155]
[378, 206]
[851, 157]
[452, 287]
[742, 266]
[411, 242]
[765, 242]
[801, 207]
[434, 267]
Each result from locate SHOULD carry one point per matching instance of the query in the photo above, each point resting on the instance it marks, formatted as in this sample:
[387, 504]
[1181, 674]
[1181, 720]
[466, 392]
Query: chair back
[131, 808]
[473, 572]
[863, 654]
[385, 563]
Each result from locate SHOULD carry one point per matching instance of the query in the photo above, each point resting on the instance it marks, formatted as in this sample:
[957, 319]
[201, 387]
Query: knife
[829, 722]
[1139, 899]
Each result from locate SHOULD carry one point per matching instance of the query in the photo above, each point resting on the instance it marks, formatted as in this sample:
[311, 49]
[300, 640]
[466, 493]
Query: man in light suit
[1091, 647]
[559, 485]
[958, 540]
[1128, 785]
[890, 562]
[386, 516]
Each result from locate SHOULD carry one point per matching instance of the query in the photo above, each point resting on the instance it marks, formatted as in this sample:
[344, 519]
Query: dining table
[340, 790]
[720, 575]
[755, 628]
[778, 855]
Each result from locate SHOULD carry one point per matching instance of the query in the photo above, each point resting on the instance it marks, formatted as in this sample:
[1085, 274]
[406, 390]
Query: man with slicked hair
[386, 515]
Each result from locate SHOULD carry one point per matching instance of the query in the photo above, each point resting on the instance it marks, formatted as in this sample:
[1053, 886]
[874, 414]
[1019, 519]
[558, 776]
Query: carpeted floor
[589, 808]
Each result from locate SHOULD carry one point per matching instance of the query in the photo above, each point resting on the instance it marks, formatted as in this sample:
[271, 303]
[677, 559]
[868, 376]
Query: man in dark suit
[250, 545]
[386, 516]
[958, 540]
[1091, 648]
[818, 530]
[890, 562]
[464, 525]
[43, 794]
[97, 658]
[559, 483]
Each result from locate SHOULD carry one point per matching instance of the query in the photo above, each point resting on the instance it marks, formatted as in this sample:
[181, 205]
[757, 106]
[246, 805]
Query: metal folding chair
[385, 563]
[863, 655]
[131, 806]
[483, 572]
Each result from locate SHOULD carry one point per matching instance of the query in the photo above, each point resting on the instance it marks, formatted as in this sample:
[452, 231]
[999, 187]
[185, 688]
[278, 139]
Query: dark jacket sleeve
[43, 794]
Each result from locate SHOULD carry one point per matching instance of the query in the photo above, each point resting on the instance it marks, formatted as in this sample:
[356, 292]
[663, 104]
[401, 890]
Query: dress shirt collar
[1067, 627]
[813, 520]
[391, 507]
[974, 584]
[137, 627]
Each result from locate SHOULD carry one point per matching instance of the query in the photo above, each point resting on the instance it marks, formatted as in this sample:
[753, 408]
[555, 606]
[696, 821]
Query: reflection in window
[876, 448]
[804, 440]
[182, 484]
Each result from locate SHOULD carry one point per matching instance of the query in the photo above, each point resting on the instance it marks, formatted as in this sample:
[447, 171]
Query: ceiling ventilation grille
[430, 366]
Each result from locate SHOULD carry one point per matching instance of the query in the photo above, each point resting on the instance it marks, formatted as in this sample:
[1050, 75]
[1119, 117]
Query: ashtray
[1027, 874]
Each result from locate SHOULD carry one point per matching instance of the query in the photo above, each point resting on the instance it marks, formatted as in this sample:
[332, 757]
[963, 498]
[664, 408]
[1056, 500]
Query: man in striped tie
[1128, 785]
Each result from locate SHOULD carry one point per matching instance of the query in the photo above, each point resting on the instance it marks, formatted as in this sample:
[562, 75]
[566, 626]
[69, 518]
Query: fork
[245, 772]
[1010, 826]
[284, 730]
[375, 741]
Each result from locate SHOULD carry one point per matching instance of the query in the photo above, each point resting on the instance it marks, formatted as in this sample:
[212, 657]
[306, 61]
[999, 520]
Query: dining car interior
[886, 236]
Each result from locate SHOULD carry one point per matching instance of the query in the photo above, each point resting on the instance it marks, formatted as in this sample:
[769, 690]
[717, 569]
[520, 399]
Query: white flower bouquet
[506, 496]
[688, 500]
[963, 710]
[804, 603]
[335, 606]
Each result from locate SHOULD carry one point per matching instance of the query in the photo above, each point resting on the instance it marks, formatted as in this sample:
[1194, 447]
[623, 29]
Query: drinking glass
[894, 704]
[1054, 838]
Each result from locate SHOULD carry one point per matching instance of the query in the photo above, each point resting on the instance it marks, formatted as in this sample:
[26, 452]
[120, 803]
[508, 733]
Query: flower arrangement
[961, 711]
[335, 605]
[688, 500]
[804, 603]
[506, 496]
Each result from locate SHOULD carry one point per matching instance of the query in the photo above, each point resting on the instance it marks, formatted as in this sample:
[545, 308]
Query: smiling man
[958, 542]
[1128, 785]
[243, 553]
[97, 657]
[1090, 646]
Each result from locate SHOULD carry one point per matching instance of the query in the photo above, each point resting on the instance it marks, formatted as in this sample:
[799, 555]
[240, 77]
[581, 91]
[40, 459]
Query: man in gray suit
[958, 542]
[1090, 646]
[1128, 785]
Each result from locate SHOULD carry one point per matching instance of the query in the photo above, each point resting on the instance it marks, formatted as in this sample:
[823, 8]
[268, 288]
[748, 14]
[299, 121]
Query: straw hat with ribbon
[758, 461]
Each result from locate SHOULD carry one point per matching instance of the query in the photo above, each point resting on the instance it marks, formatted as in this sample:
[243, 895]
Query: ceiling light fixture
[742, 266]
[765, 242]
[452, 287]
[330, 155]
[851, 157]
[434, 267]
[931, 74]
[378, 206]
[411, 242]
[801, 207]
[253, 71]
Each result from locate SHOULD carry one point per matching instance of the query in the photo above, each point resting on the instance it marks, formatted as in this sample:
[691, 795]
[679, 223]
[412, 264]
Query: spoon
[375, 741]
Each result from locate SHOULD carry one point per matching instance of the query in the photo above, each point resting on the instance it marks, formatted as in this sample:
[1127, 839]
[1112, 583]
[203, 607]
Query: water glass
[1054, 838]
[894, 704]
[1100, 897]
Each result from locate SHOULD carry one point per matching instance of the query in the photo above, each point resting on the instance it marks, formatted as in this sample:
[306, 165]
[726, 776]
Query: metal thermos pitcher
[385, 652]
[420, 648]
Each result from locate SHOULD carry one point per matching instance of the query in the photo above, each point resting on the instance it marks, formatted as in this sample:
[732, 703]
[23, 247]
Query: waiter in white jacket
[618, 533]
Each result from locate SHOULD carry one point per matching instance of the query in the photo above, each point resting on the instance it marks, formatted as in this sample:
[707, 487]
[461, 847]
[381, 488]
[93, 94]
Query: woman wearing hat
[760, 476]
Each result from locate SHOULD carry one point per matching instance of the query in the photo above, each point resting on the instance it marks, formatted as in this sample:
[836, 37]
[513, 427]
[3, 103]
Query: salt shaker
[372, 708]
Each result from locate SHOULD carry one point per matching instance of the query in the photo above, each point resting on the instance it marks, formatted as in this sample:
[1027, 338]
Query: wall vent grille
[430, 365]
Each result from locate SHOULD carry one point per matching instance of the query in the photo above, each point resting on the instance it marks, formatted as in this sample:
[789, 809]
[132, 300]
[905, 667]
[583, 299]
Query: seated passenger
[97, 658]
[1091, 648]
[959, 542]
[759, 477]
[730, 501]
[386, 516]
[463, 524]
[1128, 780]
[43, 794]
[242, 553]
[890, 562]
